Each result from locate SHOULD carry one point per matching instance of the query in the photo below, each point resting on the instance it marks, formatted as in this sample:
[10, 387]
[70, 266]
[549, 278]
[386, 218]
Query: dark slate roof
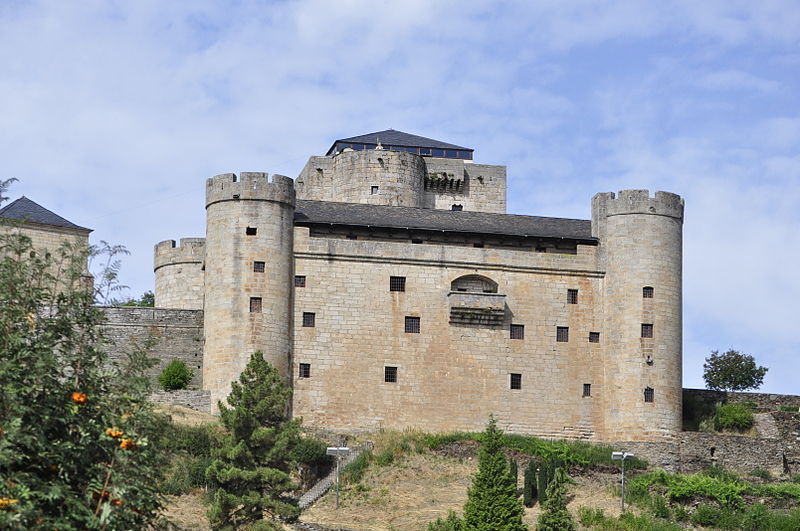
[23, 209]
[359, 215]
[390, 137]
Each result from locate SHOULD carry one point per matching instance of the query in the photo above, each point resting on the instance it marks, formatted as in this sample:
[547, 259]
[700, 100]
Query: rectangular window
[258, 267]
[352, 237]
[390, 374]
[647, 330]
[649, 394]
[305, 370]
[299, 281]
[255, 304]
[309, 319]
[516, 381]
[587, 390]
[373, 190]
[517, 331]
[251, 231]
[412, 325]
[572, 296]
[647, 292]
[594, 337]
[397, 283]
[562, 334]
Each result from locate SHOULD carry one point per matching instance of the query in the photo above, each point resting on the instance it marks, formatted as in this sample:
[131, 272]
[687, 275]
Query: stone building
[389, 285]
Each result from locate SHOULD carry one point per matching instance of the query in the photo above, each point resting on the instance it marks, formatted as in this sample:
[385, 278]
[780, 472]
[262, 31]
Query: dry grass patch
[187, 512]
[185, 416]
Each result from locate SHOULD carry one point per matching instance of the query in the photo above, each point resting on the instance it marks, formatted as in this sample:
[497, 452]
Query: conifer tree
[529, 491]
[492, 504]
[555, 515]
[250, 474]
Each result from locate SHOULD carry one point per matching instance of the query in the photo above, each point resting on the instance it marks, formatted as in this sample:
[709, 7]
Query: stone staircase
[322, 486]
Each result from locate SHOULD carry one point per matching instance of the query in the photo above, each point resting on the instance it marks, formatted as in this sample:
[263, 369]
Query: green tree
[77, 434]
[492, 503]
[147, 299]
[176, 375]
[250, 475]
[732, 371]
[529, 486]
[555, 515]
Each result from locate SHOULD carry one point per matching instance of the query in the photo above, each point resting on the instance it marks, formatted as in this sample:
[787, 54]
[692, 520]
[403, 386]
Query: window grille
[517, 331]
[594, 337]
[649, 394]
[299, 281]
[258, 267]
[397, 283]
[587, 390]
[309, 319]
[305, 370]
[647, 292]
[412, 325]
[647, 330]
[516, 381]
[562, 334]
[255, 304]
[390, 374]
[572, 296]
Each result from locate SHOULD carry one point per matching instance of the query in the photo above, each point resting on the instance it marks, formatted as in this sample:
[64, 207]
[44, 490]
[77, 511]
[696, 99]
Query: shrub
[529, 492]
[176, 375]
[355, 470]
[733, 417]
[451, 523]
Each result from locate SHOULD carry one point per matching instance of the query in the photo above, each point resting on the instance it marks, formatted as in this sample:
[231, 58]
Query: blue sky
[114, 113]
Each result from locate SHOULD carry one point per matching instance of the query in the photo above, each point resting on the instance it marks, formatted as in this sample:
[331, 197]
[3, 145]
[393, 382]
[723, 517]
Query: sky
[114, 113]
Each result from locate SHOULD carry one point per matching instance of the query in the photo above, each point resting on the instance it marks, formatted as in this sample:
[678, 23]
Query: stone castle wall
[484, 188]
[179, 274]
[47, 240]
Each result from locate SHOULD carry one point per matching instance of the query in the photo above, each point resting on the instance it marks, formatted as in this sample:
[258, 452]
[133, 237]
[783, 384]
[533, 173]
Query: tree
[492, 503]
[250, 475]
[176, 375]
[555, 515]
[732, 371]
[147, 299]
[77, 434]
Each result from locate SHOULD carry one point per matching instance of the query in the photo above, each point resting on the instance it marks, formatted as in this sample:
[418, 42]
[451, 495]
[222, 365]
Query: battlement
[250, 186]
[637, 202]
[190, 251]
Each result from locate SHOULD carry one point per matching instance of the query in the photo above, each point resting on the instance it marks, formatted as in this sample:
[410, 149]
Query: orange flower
[5, 502]
[127, 444]
[79, 398]
[116, 501]
[114, 432]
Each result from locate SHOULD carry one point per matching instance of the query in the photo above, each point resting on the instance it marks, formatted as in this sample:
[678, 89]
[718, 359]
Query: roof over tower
[398, 140]
[23, 209]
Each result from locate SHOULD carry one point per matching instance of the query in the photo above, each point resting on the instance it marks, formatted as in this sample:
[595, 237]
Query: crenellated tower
[179, 273]
[248, 275]
[641, 251]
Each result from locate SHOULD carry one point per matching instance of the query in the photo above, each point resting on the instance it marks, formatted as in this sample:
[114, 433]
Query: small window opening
[251, 231]
[587, 390]
[647, 292]
[572, 296]
[457, 208]
[352, 236]
[594, 337]
[647, 330]
[258, 267]
[515, 381]
[517, 331]
[649, 394]
[390, 374]
[412, 325]
[373, 190]
[541, 250]
[479, 245]
[397, 283]
[309, 319]
[255, 304]
[299, 281]
[305, 370]
[562, 334]
[416, 240]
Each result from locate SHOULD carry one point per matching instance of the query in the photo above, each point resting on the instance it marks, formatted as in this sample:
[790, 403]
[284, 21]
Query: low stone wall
[766, 401]
[178, 334]
[196, 399]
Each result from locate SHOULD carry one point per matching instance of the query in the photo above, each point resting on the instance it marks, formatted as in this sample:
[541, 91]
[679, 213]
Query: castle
[391, 288]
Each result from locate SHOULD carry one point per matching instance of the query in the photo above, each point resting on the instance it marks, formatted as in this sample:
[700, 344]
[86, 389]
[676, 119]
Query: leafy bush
[789, 409]
[733, 417]
[760, 473]
[176, 375]
[451, 523]
[355, 470]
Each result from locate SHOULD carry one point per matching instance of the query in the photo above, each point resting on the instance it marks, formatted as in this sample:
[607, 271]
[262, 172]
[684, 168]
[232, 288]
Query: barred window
[397, 283]
[594, 337]
[516, 381]
[562, 334]
[587, 390]
[647, 292]
[305, 370]
[258, 267]
[309, 319]
[255, 304]
[412, 325]
[251, 231]
[390, 374]
[572, 296]
[517, 331]
[649, 394]
[457, 208]
[647, 330]
[299, 281]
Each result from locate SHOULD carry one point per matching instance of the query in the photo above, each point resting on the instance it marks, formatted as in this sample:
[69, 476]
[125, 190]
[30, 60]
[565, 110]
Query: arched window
[474, 284]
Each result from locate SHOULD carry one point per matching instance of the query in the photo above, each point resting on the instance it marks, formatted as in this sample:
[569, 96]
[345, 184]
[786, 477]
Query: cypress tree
[514, 469]
[555, 515]
[250, 474]
[492, 503]
[529, 486]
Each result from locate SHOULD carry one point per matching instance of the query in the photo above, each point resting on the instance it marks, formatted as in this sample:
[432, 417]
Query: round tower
[378, 177]
[179, 274]
[641, 250]
[248, 275]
